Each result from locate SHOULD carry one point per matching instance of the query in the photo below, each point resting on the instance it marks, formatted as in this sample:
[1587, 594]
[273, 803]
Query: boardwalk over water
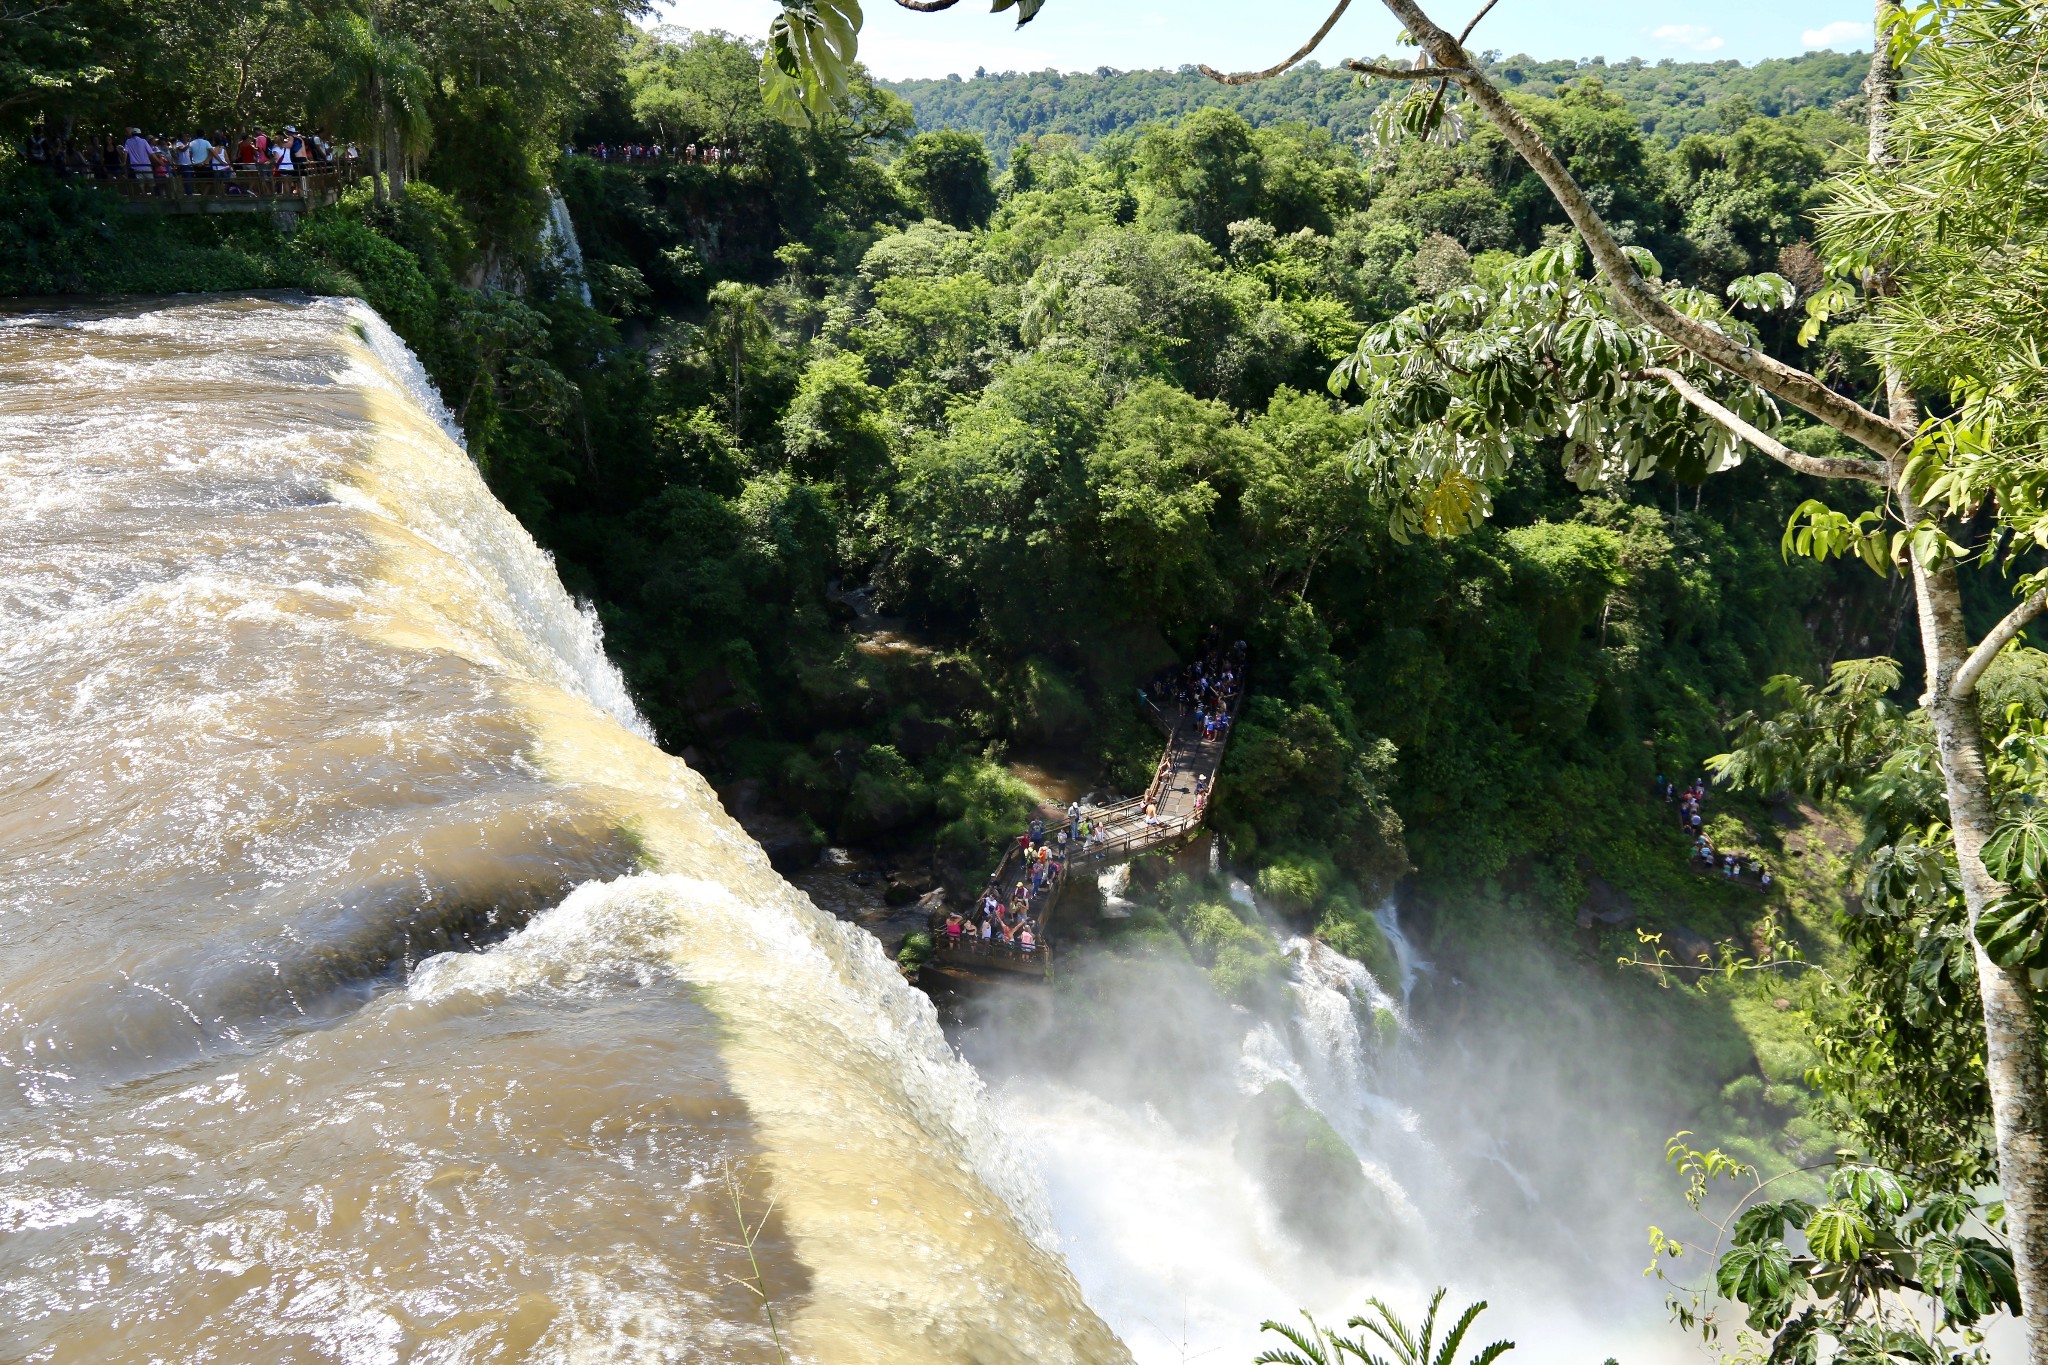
[1170, 811]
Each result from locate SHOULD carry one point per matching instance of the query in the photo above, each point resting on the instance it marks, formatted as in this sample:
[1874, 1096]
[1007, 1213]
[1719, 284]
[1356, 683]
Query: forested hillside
[1668, 99]
[1052, 420]
[1064, 419]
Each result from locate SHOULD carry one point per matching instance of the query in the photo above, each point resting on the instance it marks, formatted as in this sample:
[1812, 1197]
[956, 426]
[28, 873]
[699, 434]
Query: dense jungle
[901, 447]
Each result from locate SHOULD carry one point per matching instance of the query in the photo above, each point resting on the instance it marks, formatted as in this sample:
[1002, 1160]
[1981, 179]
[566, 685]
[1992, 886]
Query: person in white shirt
[136, 149]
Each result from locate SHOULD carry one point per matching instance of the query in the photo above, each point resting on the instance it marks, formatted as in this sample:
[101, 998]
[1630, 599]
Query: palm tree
[738, 322]
[377, 88]
[1320, 1346]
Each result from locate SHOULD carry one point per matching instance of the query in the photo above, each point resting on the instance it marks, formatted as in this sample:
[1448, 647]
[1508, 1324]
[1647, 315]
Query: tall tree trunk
[395, 154]
[2012, 1031]
[2013, 1069]
[377, 141]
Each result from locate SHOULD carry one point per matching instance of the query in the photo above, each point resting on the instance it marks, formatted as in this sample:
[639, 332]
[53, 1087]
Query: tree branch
[1402, 73]
[1247, 77]
[1825, 466]
[927, 6]
[2002, 634]
[1475, 21]
[1636, 295]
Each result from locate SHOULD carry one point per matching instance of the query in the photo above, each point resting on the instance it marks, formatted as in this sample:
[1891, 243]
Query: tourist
[953, 928]
[1027, 942]
[140, 155]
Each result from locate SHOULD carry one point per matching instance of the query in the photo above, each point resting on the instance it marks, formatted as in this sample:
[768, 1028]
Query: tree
[1409, 1346]
[1912, 466]
[376, 89]
[1638, 353]
[948, 172]
[738, 323]
[47, 56]
[1882, 1269]
[699, 87]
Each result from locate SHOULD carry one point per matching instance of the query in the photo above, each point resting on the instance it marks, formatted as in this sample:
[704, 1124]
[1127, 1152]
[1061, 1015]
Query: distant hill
[1672, 98]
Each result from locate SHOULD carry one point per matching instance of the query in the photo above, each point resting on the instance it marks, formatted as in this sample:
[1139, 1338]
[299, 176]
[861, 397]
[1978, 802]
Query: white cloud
[1844, 35]
[1691, 37]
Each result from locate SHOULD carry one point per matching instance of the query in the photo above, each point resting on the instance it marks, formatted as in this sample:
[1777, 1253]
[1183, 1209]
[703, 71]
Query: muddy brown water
[371, 987]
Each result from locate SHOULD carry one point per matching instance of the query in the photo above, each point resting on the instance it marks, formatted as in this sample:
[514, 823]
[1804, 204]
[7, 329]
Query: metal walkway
[1172, 809]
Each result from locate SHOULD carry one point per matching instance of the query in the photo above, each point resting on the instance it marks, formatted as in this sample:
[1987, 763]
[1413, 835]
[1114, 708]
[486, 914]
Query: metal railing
[1136, 835]
[246, 187]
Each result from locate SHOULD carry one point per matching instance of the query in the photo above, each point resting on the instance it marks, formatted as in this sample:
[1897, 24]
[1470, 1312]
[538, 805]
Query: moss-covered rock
[1313, 1176]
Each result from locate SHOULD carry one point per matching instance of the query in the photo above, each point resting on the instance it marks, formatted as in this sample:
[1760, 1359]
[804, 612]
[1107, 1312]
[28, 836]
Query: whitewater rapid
[371, 987]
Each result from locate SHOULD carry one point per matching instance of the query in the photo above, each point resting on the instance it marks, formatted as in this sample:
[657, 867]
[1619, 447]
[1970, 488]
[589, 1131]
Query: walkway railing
[1120, 831]
[240, 191]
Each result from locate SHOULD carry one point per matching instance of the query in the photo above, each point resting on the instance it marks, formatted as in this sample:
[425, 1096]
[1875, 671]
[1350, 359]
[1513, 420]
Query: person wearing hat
[137, 150]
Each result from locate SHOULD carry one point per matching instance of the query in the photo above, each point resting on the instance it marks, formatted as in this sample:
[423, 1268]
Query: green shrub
[1049, 705]
[389, 276]
[1350, 929]
[917, 950]
[887, 794]
[1296, 883]
[983, 805]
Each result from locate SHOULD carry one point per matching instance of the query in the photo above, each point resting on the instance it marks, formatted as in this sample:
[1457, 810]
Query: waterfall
[1140, 1127]
[558, 238]
[1114, 884]
[371, 987]
[1408, 962]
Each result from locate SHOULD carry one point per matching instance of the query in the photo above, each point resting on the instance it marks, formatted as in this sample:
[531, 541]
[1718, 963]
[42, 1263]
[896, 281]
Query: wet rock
[904, 887]
[742, 798]
[1687, 948]
[1605, 906]
[1314, 1178]
[790, 854]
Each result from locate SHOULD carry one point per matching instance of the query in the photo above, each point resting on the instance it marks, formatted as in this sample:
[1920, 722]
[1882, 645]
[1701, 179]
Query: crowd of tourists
[1690, 803]
[649, 153]
[1008, 919]
[1009, 916]
[190, 157]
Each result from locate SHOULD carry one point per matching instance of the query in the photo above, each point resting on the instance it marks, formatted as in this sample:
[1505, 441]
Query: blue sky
[1074, 35]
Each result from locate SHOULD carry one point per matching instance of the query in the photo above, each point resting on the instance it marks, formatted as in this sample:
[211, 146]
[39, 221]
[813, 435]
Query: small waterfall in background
[559, 238]
[1408, 962]
[1114, 884]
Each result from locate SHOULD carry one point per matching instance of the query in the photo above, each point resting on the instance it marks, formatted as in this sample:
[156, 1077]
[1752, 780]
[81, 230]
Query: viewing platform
[243, 191]
[1173, 808]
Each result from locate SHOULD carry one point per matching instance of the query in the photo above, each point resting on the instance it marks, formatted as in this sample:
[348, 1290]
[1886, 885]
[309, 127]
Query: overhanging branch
[1635, 294]
[1402, 73]
[1824, 466]
[2002, 634]
[1247, 77]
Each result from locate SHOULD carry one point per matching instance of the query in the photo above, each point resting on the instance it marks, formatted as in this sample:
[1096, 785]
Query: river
[372, 989]
[292, 714]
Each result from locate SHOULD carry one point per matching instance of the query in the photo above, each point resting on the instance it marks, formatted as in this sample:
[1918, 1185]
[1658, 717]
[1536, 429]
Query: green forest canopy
[1668, 99]
[1062, 418]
